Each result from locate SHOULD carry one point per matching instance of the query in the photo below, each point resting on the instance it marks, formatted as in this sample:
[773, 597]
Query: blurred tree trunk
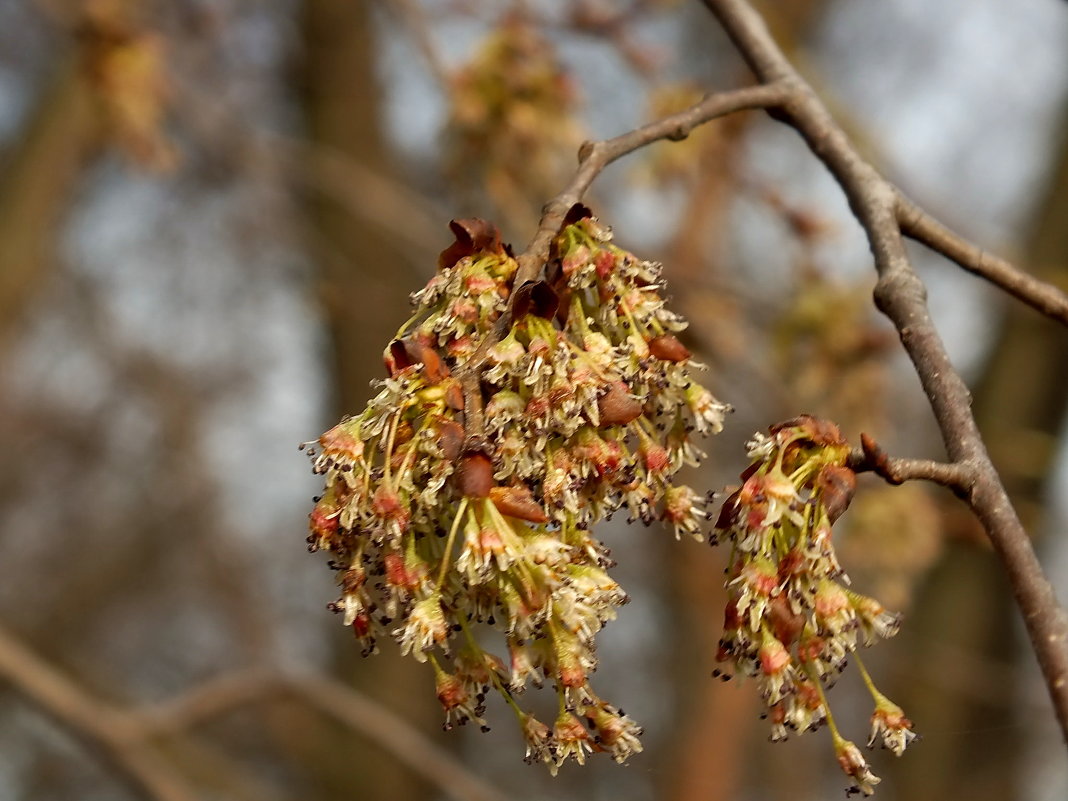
[362, 292]
[967, 607]
[364, 304]
[38, 176]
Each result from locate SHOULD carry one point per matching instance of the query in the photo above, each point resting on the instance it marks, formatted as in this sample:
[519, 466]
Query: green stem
[815, 679]
[390, 439]
[410, 455]
[446, 557]
[876, 696]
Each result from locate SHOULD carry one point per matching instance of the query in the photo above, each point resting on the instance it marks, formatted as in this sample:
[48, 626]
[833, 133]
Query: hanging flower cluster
[463, 495]
[791, 620]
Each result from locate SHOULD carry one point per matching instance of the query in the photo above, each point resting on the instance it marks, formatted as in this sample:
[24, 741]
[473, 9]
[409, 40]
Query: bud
[889, 723]
[475, 476]
[617, 406]
[518, 502]
[668, 348]
[572, 740]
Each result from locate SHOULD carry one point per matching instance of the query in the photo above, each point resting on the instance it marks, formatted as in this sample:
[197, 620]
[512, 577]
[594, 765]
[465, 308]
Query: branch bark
[922, 227]
[351, 708]
[885, 215]
[871, 458]
[901, 295]
[37, 183]
[411, 748]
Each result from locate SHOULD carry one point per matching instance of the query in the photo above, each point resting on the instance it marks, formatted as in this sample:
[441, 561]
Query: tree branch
[917, 224]
[335, 700]
[207, 700]
[37, 182]
[110, 732]
[413, 17]
[894, 470]
[124, 738]
[901, 296]
[593, 158]
[405, 742]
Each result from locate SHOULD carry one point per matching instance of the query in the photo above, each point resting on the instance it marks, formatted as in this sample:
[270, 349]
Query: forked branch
[126, 739]
[901, 295]
[895, 470]
[886, 217]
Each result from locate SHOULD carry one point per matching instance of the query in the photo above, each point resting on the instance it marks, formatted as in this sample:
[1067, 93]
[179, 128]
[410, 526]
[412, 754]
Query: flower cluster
[511, 132]
[463, 495]
[791, 619]
[124, 61]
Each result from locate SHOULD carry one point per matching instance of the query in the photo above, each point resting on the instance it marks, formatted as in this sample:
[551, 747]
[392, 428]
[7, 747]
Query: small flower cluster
[124, 61]
[511, 132]
[791, 619]
[447, 509]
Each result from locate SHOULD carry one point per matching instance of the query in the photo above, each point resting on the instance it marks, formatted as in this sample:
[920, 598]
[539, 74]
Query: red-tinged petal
[605, 264]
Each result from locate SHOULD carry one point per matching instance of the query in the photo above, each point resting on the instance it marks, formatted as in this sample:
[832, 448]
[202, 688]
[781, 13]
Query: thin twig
[896, 470]
[110, 732]
[208, 700]
[414, 19]
[125, 738]
[921, 226]
[405, 742]
[901, 295]
[593, 158]
[365, 192]
[332, 698]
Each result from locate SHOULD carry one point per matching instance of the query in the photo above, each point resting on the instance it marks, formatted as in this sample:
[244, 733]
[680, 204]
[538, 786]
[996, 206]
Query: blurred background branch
[126, 738]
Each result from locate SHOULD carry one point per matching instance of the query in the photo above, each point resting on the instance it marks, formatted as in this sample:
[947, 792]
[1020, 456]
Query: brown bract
[474, 477]
[820, 432]
[537, 298]
[473, 235]
[450, 438]
[668, 348]
[618, 407]
[518, 502]
[836, 485]
[404, 353]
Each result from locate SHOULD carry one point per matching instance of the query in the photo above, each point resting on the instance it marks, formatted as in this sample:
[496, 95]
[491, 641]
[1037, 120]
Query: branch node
[877, 460]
